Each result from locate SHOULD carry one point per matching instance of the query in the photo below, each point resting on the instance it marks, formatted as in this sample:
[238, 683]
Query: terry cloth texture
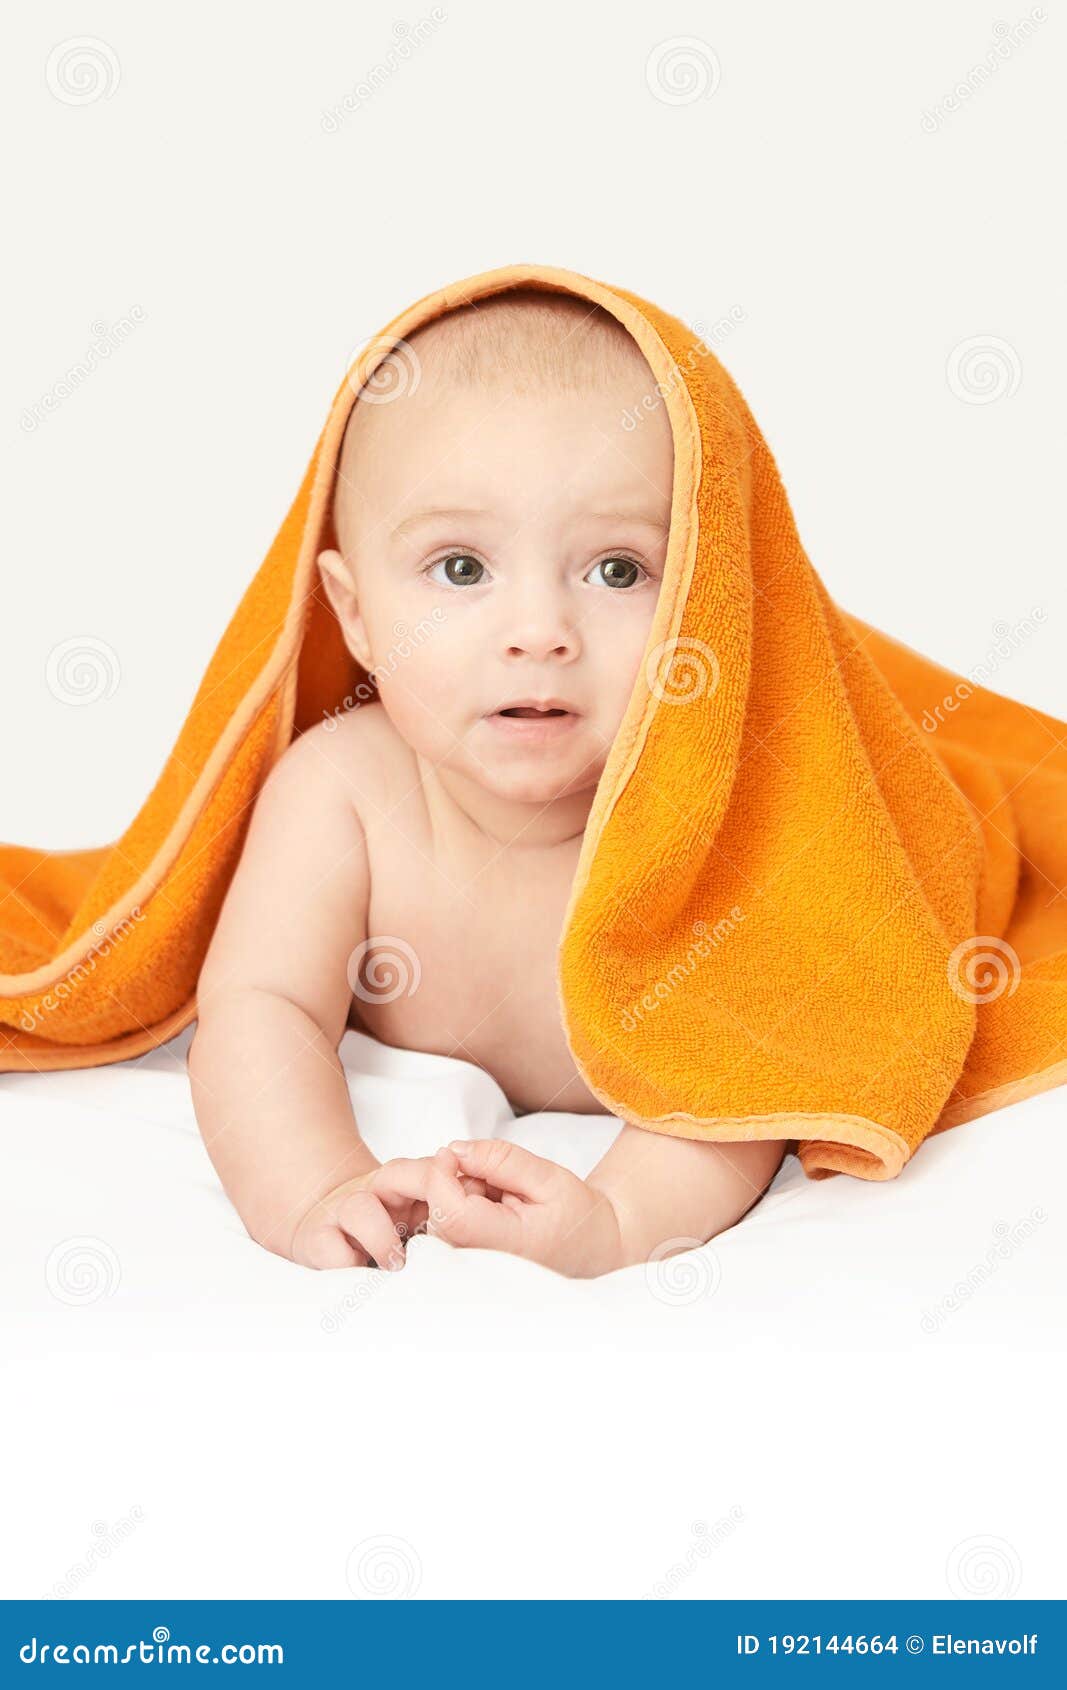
[821, 893]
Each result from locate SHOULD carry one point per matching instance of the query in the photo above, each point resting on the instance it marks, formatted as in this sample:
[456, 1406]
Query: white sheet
[830, 1399]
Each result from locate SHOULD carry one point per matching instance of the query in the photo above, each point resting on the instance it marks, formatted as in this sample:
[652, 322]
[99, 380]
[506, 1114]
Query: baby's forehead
[531, 337]
[529, 342]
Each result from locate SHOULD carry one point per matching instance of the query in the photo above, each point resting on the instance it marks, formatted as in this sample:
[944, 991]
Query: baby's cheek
[415, 704]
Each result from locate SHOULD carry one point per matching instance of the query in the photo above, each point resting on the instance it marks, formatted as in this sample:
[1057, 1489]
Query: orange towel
[821, 895]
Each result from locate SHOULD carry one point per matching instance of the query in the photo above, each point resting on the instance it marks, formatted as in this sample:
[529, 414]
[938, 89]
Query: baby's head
[502, 538]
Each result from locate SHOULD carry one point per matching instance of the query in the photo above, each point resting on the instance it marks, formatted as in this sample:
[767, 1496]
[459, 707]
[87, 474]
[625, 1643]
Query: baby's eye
[618, 570]
[468, 570]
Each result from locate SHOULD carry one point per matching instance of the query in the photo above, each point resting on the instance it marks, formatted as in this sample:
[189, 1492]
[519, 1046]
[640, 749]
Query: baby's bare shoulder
[297, 903]
[348, 756]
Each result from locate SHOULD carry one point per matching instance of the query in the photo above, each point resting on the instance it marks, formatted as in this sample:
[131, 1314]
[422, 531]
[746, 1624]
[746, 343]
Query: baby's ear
[340, 590]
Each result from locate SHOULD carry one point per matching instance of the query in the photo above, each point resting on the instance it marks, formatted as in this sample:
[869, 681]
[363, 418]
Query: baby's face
[504, 548]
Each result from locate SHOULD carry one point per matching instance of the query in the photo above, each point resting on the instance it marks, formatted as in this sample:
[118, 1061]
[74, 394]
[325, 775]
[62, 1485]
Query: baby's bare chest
[460, 960]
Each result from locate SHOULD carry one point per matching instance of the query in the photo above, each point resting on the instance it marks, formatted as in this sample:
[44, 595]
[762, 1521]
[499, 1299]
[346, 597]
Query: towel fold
[822, 893]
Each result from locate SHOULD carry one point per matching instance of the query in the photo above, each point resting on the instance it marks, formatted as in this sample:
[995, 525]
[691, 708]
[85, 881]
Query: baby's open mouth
[530, 710]
[530, 723]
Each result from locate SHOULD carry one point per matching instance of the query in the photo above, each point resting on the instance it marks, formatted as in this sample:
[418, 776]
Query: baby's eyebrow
[631, 516]
[420, 517]
[458, 514]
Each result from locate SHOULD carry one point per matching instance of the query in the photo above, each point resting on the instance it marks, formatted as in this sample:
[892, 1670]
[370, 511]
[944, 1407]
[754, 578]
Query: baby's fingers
[368, 1222]
[325, 1246]
[446, 1197]
[509, 1168]
[406, 1178]
[467, 1218]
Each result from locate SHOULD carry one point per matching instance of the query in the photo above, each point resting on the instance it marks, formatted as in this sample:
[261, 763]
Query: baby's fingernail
[395, 1260]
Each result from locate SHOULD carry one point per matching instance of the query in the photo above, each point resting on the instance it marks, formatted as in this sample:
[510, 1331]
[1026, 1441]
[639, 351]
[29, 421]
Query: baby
[498, 504]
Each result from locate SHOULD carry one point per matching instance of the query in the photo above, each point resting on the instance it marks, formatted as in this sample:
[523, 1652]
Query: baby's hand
[368, 1220]
[352, 1226]
[532, 1208]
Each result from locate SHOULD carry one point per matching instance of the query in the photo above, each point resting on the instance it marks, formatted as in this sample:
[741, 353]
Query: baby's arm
[664, 1188]
[269, 1091]
[650, 1195]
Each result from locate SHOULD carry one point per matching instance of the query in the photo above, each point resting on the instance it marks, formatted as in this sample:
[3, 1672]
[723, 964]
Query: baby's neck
[455, 801]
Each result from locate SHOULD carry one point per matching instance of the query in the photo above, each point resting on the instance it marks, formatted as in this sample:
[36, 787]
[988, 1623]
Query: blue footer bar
[552, 1644]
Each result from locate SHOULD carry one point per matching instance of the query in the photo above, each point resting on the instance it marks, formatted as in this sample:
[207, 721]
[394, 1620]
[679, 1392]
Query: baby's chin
[535, 774]
[536, 787]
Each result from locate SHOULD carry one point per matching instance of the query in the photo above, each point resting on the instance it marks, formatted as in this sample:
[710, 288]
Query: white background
[864, 245]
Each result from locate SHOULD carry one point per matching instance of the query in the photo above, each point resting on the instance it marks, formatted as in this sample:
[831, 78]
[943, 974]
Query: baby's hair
[534, 339]
[531, 340]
